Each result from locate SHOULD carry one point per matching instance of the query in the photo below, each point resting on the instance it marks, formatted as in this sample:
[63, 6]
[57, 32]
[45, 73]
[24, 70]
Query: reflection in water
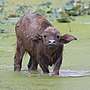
[84, 22]
[63, 73]
[74, 72]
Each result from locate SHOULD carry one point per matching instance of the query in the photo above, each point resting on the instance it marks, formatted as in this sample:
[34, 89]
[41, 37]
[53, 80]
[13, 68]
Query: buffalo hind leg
[18, 56]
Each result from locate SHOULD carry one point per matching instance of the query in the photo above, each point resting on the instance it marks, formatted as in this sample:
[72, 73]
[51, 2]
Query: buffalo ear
[67, 38]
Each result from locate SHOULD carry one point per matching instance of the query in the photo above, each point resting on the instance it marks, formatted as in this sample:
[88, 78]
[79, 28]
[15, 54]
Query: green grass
[76, 56]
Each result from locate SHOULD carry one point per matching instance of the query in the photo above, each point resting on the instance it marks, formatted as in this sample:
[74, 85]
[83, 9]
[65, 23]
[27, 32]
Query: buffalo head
[52, 38]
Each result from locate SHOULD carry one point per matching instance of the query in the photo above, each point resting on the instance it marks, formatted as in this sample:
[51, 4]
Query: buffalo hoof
[55, 74]
[17, 68]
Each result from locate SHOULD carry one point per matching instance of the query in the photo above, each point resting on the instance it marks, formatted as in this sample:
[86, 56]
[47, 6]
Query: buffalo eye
[58, 36]
[45, 36]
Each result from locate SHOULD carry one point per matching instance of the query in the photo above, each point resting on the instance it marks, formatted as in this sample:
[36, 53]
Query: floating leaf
[40, 11]
[47, 4]
[68, 7]
[2, 22]
[2, 30]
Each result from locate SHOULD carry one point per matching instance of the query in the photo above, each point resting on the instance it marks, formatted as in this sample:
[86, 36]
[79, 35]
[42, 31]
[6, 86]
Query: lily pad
[47, 4]
[40, 11]
[2, 22]
[2, 30]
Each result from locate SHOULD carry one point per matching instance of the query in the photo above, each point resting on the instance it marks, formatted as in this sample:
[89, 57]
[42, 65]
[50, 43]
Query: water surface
[63, 73]
[84, 22]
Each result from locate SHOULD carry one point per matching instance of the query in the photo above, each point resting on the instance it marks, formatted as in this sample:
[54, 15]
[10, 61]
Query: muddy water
[63, 73]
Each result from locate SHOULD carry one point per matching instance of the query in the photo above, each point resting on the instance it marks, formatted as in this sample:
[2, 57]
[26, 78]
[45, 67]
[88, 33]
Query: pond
[25, 80]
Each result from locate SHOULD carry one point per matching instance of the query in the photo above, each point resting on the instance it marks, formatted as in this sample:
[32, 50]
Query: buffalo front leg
[44, 66]
[57, 66]
[18, 56]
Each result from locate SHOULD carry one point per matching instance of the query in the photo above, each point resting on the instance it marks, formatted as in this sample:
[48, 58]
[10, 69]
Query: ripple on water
[74, 72]
[63, 73]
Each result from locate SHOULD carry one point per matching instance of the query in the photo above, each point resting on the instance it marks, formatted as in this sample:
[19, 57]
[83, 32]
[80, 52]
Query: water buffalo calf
[42, 41]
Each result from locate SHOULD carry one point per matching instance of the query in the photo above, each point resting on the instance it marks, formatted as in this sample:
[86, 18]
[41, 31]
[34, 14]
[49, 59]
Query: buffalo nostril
[49, 41]
[54, 42]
